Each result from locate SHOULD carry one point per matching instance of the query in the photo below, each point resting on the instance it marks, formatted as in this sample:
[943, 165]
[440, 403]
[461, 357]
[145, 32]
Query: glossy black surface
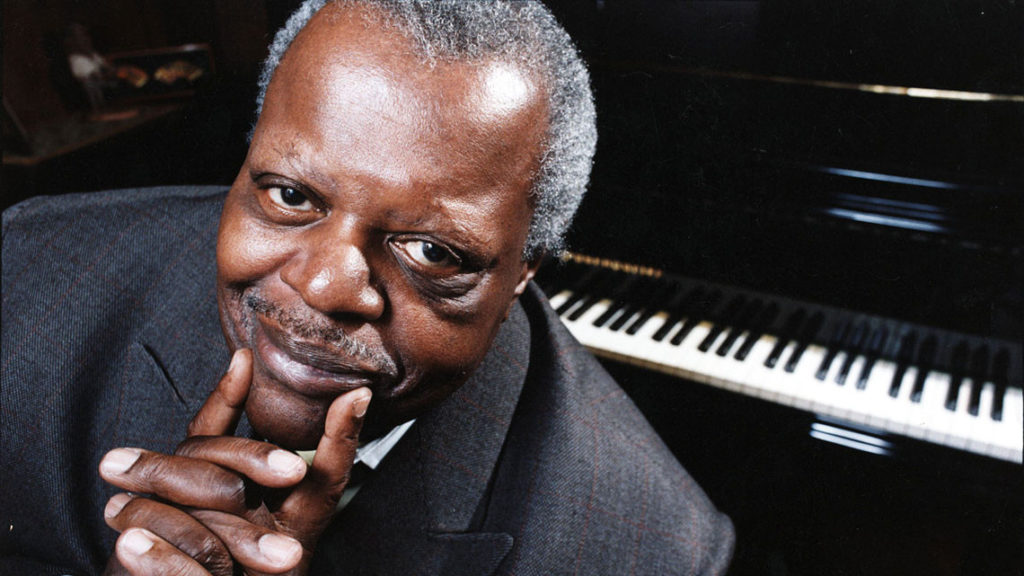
[741, 143]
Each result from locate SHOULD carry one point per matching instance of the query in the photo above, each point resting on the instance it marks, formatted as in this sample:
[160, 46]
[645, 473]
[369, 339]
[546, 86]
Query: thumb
[313, 501]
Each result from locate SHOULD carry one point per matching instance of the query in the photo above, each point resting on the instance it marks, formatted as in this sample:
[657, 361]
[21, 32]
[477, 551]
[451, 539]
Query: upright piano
[801, 255]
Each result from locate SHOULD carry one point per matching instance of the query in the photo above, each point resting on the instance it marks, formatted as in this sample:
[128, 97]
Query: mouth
[309, 368]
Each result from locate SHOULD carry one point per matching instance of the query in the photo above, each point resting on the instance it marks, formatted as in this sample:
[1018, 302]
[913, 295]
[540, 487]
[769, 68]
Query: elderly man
[411, 163]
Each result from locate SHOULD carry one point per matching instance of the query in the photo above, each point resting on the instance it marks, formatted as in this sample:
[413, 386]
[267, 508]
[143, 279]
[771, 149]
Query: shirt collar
[373, 452]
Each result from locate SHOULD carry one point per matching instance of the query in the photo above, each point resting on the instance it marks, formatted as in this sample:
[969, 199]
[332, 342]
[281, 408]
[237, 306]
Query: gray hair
[522, 32]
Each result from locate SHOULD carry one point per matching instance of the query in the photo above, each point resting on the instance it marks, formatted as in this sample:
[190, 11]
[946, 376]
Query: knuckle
[233, 490]
[194, 425]
[207, 550]
[133, 511]
[157, 470]
[212, 554]
[188, 445]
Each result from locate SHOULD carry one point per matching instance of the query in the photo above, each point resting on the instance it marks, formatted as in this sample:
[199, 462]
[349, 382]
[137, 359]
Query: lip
[308, 368]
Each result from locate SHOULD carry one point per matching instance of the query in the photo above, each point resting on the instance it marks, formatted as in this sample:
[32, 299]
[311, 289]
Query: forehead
[350, 84]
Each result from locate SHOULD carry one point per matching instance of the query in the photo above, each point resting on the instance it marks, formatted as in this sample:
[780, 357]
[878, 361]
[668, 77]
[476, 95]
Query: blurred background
[170, 132]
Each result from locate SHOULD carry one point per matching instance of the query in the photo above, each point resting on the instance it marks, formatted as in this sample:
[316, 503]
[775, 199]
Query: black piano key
[647, 293]
[980, 373]
[1001, 378]
[743, 321]
[620, 298]
[788, 332]
[840, 333]
[958, 366]
[628, 312]
[925, 362]
[700, 309]
[727, 317]
[904, 356]
[654, 303]
[757, 330]
[807, 335]
[637, 294]
[874, 350]
[677, 310]
[606, 315]
[853, 349]
[584, 280]
[596, 294]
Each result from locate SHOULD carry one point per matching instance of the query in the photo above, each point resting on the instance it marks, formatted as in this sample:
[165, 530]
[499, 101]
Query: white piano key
[559, 298]
[801, 385]
[643, 346]
[930, 415]
[689, 358]
[583, 328]
[962, 420]
[722, 370]
[1011, 438]
[759, 380]
[831, 398]
[856, 400]
[980, 430]
[662, 318]
[884, 408]
[624, 344]
[928, 420]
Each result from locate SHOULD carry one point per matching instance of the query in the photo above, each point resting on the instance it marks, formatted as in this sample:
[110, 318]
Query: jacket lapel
[422, 511]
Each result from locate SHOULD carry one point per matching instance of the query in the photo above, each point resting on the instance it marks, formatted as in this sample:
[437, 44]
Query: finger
[223, 407]
[261, 462]
[251, 545]
[179, 480]
[172, 525]
[143, 553]
[314, 500]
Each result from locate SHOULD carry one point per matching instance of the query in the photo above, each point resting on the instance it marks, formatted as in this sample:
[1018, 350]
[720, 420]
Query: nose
[332, 275]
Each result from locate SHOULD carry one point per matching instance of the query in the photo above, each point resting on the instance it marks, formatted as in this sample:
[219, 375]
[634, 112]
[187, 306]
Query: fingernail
[279, 549]
[116, 503]
[119, 460]
[137, 542]
[360, 405]
[234, 360]
[286, 463]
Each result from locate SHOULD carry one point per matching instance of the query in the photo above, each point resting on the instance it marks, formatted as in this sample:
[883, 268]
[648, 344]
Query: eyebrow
[293, 157]
[462, 234]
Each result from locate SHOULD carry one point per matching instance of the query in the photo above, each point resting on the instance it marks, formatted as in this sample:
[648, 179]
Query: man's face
[374, 234]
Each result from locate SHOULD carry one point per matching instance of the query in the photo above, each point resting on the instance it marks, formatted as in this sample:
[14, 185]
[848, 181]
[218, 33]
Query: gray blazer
[540, 464]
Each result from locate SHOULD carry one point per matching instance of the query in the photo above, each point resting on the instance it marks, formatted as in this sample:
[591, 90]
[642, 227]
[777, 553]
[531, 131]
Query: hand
[222, 501]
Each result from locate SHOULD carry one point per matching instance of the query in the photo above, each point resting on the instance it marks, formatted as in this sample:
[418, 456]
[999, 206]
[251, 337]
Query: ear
[527, 273]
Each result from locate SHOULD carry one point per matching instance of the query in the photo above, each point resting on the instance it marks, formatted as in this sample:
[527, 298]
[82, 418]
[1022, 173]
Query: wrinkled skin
[371, 242]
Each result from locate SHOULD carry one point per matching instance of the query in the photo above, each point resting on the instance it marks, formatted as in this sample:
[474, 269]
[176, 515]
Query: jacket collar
[422, 510]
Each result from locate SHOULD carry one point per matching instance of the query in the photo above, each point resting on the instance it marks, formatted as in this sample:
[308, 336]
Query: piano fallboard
[880, 375]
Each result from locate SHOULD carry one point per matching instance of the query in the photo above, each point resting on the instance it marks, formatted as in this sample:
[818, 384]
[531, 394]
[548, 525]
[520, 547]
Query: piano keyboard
[952, 389]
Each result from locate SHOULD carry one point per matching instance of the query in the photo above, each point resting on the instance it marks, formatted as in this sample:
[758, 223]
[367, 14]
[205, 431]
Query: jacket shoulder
[603, 492]
[110, 338]
[108, 207]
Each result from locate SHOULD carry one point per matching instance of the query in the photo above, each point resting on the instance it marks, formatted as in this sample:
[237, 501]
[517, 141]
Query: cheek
[246, 252]
[437, 344]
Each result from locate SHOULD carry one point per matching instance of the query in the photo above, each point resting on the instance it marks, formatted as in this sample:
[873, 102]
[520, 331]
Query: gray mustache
[313, 331]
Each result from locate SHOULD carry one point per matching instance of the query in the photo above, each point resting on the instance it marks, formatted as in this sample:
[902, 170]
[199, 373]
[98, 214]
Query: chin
[290, 422]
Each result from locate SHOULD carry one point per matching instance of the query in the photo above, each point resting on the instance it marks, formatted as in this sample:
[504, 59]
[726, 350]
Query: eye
[290, 198]
[431, 256]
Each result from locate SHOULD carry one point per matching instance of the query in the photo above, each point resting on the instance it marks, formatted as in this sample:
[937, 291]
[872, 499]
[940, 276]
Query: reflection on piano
[819, 206]
[939, 386]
